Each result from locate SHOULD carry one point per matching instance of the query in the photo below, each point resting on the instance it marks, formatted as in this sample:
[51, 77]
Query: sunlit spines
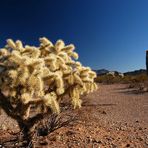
[25, 98]
[59, 45]
[50, 100]
[44, 42]
[4, 52]
[11, 44]
[37, 71]
[19, 46]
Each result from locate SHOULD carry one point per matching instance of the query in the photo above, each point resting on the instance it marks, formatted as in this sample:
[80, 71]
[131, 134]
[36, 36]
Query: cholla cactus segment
[59, 45]
[19, 45]
[11, 44]
[45, 42]
[75, 95]
[4, 52]
[47, 72]
[25, 98]
[12, 74]
[51, 101]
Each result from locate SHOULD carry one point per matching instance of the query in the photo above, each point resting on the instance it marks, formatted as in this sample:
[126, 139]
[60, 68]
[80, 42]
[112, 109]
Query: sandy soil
[112, 117]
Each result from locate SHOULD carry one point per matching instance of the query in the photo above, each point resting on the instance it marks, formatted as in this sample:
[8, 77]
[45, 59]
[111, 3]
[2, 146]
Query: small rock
[122, 128]
[68, 133]
[97, 140]
[43, 141]
[137, 121]
[140, 139]
[104, 112]
[59, 137]
[128, 145]
[114, 146]
[53, 138]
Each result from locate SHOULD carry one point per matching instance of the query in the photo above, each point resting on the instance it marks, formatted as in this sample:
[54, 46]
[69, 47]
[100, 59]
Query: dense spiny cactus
[42, 75]
[39, 77]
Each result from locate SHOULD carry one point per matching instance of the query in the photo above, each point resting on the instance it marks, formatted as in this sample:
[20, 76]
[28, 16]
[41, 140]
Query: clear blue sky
[111, 34]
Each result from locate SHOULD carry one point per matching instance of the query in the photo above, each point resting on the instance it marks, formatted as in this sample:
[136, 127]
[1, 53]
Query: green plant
[39, 77]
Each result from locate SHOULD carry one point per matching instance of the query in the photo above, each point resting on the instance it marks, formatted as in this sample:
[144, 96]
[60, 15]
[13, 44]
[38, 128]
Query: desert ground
[112, 117]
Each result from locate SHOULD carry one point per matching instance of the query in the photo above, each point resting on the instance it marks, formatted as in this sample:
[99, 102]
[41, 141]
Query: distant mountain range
[136, 72]
[101, 71]
[104, 71]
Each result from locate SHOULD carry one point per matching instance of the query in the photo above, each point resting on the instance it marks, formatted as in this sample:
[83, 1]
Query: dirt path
[112, 117]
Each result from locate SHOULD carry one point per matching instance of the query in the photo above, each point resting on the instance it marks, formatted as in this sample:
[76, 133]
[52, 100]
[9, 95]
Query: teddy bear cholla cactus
[42, 75]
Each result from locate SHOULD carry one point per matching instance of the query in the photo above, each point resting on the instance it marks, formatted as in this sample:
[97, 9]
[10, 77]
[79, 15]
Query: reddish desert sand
[112, 117]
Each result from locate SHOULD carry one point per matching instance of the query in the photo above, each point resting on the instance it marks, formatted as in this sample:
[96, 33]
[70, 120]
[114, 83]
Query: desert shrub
[38, 78]
[133, 80]
[138, 82]
[140, 78]
[108, 79]
[146, 86]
